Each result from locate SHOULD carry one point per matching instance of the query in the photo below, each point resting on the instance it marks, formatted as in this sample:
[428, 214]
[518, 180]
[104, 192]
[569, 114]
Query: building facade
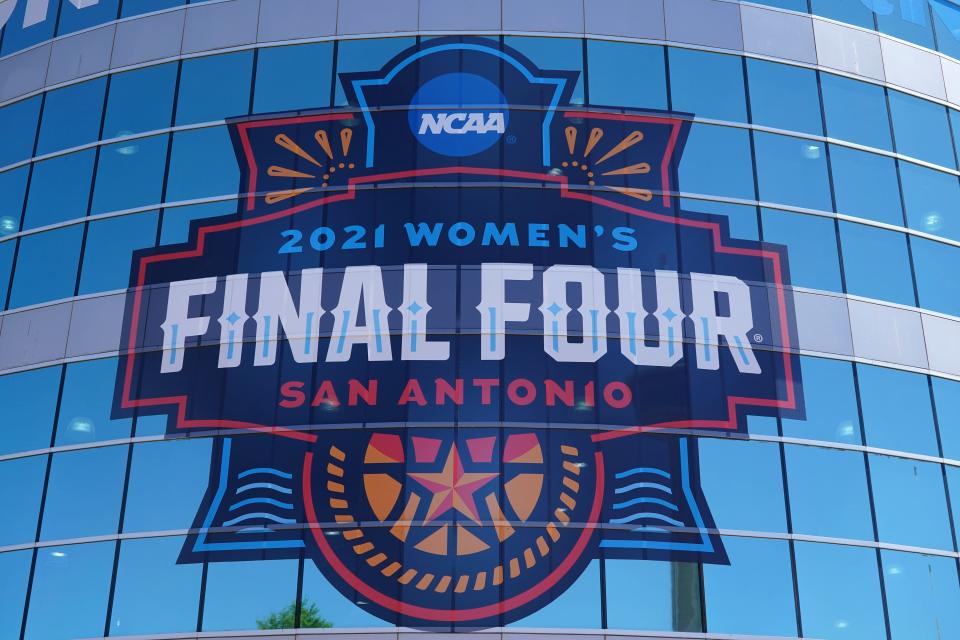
[631, 318]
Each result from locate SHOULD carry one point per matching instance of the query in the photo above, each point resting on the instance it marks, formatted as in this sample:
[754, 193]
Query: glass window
[856, 111]
[140, 100]
[29, 400]
[60, 189]
[130, 174]
[14, 573]
[578, 607]
[792, 171]
[83, 494]
[84, 15]
[657, 596]
[829, 401]
[626, 75]
[154, 594]
[215, 87]
[13, 188]
[741, 483]
[71, 586]
[866, 185]
[896, 410]
[811, 243]
[849, 11]
[740, 219]
[701, 173]
[922, 593]
[86, 404]
[946, 394]
[753, 594]
[18, 129]
[784, 97]
[828, 492]
[946, 25]
[369, 55]
[175, 227]
[936, 263]
[330, 604]
[47, 266]
[280, 85]
[202, 164]
[888, 279]
[21, 486]
[71, 116]
[921, 130]
[147, 6]
[239, 594]
[708, 85]
[109, 249]
[158, 500]
[909, 21]
[932, 199]
[910, 502]
[839, 592]
[18, 37]
[953, 480]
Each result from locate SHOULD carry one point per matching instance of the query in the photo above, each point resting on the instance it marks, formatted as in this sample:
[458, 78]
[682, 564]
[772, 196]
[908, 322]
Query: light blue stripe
[646, 500]
[376, 330]
[268, 470]
[270, 501]
[266, 336]
[594, 319]
[258, 516]
[641, 516]
[343, 331]
[173, 342]
[263, 485]
[643, 485]
[743, 352]
[639, 470]
[493, 328]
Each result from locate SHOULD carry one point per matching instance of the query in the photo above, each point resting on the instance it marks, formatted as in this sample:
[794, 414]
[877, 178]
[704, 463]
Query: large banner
[456, 340]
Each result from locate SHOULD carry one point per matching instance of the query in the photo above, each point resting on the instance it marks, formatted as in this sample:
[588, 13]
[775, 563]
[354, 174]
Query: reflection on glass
[577, 608]
[888, 279]
[811, 243]
[365, 55]
[83, 496]
[935, 264]
[130, 174]
[946, 394]
[642, 83]
[708, 85]
[71, 116]
[896, 410]
[140, 100]
[829, 402]
[331, 606]
[214, 87]
[29, 400]
[866, 185]
[202, 164]
[921, 130]
[932, 199]
[21, 486]
[701, 171]
[280, 85]
[59, 189]
[14, 573]
[109, 250]
[922, 593]
[910, 502]
[657, 596]
[742, 484]
[241, 594]
[792, 171]
[46, 266]
[856, 111]
[86, 403]
[18, 125]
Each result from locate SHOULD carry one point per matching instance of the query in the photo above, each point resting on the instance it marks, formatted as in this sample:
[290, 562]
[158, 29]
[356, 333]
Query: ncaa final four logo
[458, 341]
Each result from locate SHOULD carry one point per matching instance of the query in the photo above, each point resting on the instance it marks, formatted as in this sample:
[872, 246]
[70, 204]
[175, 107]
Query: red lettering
[529, 395]
[590, 394]
[412, 393]
[356, 391]
[326, 395]
[554, 392]
[445, 390]
[617, 395]
[293, 397]
[486, 384]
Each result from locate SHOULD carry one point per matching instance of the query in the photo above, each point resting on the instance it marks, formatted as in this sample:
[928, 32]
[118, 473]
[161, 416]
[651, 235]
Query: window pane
[330, 603]
[784, 97]
[176, 220]
[626, 75]
[936, 263]
[910, 22]
[561, 54]
[109, 250]
[811, 243]
[70, 590]
[922, 594]
[839, 592]
[910, 502]
[14, 573]
[215, 87]
[18, 129]
[741, 483]
[866, 185]
[754, 593]
[158, 500]
[932, 199]
[849, 11]
[71, 116]
[896, 410]
[946, 394]
[280, 85]
[654, 596]
[828, 492]
[13, 189]
[140, 100]
[238, 594]
[741, 219]
[708, 85]
[60, 189]
[147, 6]
[21, 486]
[130, 174]
[921, 130]
[888, 279]
[47, 266]
[830, 403]
[202, 164]
[578, 607]
[84, 15]
[856, 111]
[701, 173]
[154, 594]
[86, 404]
[83, 496]
[369, 55]
[19, 38]
[29, 400]
[946, 25]
[792, 171]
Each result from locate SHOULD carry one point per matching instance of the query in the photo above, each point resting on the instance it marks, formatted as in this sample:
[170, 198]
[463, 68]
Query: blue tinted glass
[60, 189]
[6, 266]
[14, 573]
[922, 593]
[140, 100]
[280, 85]
[146, 6]
[154, 594]
[83, 496]
[866, 185]
[753, 594]
[21, 485]
[369, 55]
[829, 401]
[47, 266]
[158, 500]
[71, 586]
[109, 250]
[953, 480]
[202, 164]
[910, 502]
[911, 22]
[669, 593]
[741, 482]
[88, 14]
[839, 592]
[888, 279]
[13, 188]
[932, 199]
[29, 400]
[130, 174]
[215, 87]
[176, 220]
[626, 75]
[18, 129]
[86, 403]
[741, 220]
[238, 594]
[896, 410]
[946, 25]
[828, 492]
[330, 604]
[946, 394]
[17, 37]
[936, 263]
[71, 116]
[921, 130]
[851, 11]
[708, 85]
[784, 97]
[792, 171]
[578, 607]
[856, 111]
[701, 173]
[811, 246]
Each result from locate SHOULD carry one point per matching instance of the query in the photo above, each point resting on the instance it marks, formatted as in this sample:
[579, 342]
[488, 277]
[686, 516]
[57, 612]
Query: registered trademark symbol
[757, 337]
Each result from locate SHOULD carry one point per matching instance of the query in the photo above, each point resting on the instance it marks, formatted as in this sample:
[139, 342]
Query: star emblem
[453, 488]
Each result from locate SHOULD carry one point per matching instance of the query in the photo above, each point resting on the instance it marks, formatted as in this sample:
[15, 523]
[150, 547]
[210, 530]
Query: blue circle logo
[458, 114]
